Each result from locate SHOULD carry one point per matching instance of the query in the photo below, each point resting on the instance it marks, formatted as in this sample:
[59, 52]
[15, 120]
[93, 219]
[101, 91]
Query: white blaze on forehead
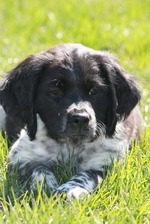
[82, 105]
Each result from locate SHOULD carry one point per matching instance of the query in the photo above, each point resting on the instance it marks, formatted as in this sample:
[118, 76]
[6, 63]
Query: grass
[120, 27]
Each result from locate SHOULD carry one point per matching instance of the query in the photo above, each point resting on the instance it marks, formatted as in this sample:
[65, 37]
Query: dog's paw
[73, 193]
[43, 177]
[77, 193]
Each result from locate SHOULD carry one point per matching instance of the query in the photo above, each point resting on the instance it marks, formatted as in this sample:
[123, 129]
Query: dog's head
[78, 92]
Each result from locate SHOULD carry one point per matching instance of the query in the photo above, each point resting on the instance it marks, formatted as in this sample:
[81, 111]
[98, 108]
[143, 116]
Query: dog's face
[70, 99]
[79, 93]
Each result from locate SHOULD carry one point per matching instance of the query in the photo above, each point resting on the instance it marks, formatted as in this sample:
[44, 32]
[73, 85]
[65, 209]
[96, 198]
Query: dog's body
[75, 103]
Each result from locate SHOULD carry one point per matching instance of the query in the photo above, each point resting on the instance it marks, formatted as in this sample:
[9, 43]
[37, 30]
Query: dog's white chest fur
[45, 150]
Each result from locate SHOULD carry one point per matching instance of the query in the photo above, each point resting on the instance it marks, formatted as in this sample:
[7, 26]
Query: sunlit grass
[122, 198]
[120, 27]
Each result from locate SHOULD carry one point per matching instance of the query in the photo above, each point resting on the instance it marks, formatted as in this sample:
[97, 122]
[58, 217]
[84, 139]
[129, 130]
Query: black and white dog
[70, 102]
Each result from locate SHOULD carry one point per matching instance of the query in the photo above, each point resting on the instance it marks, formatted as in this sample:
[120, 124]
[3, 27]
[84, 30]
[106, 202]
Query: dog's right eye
[56, 88]
[56, 92]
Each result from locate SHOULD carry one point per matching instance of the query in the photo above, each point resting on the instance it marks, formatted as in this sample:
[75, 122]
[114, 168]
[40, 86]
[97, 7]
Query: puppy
[71, 102]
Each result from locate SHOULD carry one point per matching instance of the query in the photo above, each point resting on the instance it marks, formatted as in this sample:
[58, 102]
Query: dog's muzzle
[79, 126]
[79, 120]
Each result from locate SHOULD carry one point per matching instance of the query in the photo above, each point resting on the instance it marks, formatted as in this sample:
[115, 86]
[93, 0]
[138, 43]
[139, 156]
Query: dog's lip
[79, 136]
[77, 139]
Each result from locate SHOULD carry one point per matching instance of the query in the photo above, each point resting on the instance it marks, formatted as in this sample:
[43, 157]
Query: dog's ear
[127, 92]
[17, 92]
[124, 92]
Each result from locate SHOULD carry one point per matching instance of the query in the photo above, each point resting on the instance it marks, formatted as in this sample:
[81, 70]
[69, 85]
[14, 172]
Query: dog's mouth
[79, 139]
[76, 139]
[80, 131]
[82, 137]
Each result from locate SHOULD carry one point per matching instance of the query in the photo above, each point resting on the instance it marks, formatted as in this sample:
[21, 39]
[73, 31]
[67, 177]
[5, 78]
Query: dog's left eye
[94, 91]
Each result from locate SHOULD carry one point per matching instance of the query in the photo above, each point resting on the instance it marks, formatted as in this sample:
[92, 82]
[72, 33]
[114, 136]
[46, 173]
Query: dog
[74, 102]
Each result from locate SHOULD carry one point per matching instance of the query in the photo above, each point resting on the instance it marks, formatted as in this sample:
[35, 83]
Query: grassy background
[120, 26]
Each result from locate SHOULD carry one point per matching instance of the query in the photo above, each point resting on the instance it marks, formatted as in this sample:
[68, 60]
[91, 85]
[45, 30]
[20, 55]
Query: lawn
[123, 28]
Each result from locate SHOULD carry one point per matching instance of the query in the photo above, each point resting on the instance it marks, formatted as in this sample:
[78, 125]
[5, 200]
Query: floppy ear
[127, 92]
[124, 92]
[17, 92]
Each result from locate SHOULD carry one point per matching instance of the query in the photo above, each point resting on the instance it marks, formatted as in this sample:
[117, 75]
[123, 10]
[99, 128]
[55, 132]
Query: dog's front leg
[26, 163]
[32, 176]
[81, 184]
[42, 175]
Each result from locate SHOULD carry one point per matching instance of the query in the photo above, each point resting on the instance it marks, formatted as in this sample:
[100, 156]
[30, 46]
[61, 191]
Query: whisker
[101, 130]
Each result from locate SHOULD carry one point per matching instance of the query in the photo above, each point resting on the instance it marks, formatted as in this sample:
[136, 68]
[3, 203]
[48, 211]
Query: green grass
[120, 26]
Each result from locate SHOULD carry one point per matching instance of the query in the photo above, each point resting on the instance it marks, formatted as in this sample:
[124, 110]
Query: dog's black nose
[79, 120]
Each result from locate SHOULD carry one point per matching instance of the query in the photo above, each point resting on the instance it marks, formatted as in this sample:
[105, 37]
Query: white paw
[77, 193]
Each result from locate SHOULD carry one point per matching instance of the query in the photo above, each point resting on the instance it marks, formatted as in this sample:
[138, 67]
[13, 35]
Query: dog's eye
[94, 91]
[56, 92]
[56, 88]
